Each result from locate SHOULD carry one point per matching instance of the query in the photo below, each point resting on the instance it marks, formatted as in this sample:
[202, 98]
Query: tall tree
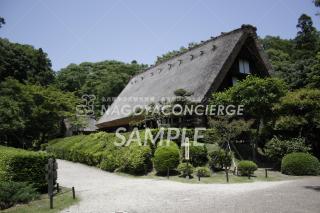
[298, 115]
[24, 63]
[2, 21]
[104, 79]
[307, 38]
[258, 96]
[31, 114]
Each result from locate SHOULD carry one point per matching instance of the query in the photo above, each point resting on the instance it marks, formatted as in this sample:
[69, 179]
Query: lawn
[60, 201]
[219, 177]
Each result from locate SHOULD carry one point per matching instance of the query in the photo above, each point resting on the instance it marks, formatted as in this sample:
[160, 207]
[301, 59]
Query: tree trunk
[257, 138]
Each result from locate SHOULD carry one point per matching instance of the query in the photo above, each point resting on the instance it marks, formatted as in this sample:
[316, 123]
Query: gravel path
[106, 192]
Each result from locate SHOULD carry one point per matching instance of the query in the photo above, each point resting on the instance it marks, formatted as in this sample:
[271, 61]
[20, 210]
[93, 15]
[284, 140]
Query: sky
[75, 31]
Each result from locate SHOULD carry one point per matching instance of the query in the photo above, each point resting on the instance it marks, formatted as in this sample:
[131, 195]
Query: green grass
[219, 177]
[60, 201]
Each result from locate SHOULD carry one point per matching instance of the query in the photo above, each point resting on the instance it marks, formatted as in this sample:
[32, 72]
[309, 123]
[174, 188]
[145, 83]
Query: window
[244, 66]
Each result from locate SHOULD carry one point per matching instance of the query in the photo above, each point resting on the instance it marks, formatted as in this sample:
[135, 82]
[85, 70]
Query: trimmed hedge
[19, 165]
[100, 150]
[300, 164]
[166, 158]
[246, 167]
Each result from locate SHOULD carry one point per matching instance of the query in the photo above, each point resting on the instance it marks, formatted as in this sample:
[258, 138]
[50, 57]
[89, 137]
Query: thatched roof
[199, 70]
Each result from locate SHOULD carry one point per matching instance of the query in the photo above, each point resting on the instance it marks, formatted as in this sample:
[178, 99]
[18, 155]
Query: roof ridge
[244, 27]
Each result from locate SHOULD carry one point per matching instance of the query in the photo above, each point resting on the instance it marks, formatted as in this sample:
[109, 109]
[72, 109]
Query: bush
[247, 168]
[198, 153]
[276, 149]
[166, 158]
[203, 172]
[12, 193]
[99, 150]
[300, 164]
[111, 161]
[185, 169]
[167, 143]
[138, 159]
[219, 159]
[19, 165]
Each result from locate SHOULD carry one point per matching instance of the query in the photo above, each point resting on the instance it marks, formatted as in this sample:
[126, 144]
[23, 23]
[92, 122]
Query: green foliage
[23, 166]
[2, 21]
[166, 158]
[138, 159]
[203, 172]
[256, 94]
[12, 193]
[276, 148]
[185, 169]
[31, 114]
[197, 152]
[167, 143]
[24, 63]
[246, 167]
[224, 130]
[298, 115]
[300, 164]
[276, 43]
[100, 150]
[295, 61]
[307, 38]
[219, 159]
[104, 79]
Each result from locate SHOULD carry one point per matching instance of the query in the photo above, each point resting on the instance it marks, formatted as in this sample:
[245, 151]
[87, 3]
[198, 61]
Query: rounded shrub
[166, 158]
[203, 172]
[138, 159]
[185, 169]
[246, 167]
[198, 153]
[300, 164]
[219, 159]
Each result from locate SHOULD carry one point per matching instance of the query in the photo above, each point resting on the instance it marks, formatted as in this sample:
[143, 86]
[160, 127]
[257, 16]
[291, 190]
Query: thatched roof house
[213, 65]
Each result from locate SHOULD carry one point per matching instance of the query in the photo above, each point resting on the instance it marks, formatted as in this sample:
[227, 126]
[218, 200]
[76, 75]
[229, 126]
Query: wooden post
[266, 172]
[73, 193]
[249, 176]
[51, 201]
[58, 188]
[199, 177]
[187, 177]
[227, 175]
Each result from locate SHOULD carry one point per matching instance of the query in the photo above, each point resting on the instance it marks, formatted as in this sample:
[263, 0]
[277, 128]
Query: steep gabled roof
[199, 70]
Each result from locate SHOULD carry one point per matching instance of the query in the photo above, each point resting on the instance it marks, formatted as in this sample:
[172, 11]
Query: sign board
[187, 149]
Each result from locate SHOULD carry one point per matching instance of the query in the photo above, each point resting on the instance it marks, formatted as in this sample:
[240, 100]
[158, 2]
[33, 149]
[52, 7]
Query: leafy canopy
[31, 114]
[24, 63]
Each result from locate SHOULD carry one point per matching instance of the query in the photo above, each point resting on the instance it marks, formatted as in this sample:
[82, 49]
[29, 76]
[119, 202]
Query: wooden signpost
[187, 154]
[51, 176]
